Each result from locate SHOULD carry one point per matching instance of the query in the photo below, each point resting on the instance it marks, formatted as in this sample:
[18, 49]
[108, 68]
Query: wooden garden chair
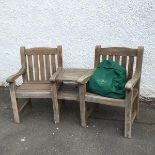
[37, 66]
[129, 58]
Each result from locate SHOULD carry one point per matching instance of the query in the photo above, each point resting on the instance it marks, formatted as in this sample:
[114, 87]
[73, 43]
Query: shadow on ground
[38, 135]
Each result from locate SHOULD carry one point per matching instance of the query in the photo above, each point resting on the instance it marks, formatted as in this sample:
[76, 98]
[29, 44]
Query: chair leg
[82, 105]
[128, 114]
[128, 123]
[83, 113]
[55, 104]
[14, 103]
[137, 106]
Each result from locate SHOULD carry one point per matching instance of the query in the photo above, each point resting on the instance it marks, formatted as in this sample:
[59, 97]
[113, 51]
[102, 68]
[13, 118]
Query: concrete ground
[38, 135]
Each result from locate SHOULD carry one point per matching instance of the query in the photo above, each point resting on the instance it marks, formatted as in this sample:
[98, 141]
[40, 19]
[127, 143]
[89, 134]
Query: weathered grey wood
[131, 101]
[23, 63]
[47, 67]
[72, 75]
[40, 51]
[42, 71]
[117, 58]
[36, 68]
[82, 91]
[121, 51]
[59, 56]
[54, 64]
[12, 78]
[39, 85]
[14, 103]
[110, 57]
[90, 109]
[90, 97]
[56, 109]
[130, 67]
[68, 92]
[133, 117]
[139, 69]
[128, 114]
[97, 55]
[30, 68]
[103, 57]
[23, 106]
[124, 60]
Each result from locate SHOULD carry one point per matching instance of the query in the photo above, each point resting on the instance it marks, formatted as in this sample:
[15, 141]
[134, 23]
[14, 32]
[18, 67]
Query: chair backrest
[40, 63]
[129, 58]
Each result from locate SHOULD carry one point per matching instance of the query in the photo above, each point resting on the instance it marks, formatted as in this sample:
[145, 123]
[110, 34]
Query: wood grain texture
[40, 51]
[36, 68]
[130, 67]
[39, 85]
[59, 56]
[53, 64]
[30, 65]
[131, 101]
[23, 63]
[42, 71]
[47, 63]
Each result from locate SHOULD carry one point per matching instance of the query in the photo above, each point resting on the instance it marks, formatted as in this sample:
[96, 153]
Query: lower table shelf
[68, 91]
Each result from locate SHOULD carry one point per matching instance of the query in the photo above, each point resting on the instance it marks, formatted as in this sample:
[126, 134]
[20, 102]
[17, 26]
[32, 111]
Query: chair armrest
[132, 82]
[55, 75]
[12, 78]
[83, 79]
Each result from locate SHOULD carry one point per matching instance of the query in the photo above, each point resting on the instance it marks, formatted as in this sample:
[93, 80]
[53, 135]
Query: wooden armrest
[55, 75]
[83, 79]
[132, 82]
[12, 78]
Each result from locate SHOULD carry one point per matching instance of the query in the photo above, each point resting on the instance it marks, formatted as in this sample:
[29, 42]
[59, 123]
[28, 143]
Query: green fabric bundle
[108, 80]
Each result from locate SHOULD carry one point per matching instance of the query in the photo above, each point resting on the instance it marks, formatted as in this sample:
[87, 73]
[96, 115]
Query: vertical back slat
[36, 68]
[130, 67]
[97, 55]
[53, 63]
[139, 58]
[23, 63]
[42, 72]
[47, 67]
[117, 58]
[124, 59]
[59, 56]
[110, 57]
[103, 57]
[30, 68]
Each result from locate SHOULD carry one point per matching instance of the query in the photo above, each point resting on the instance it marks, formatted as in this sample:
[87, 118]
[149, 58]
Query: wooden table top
[71, 75]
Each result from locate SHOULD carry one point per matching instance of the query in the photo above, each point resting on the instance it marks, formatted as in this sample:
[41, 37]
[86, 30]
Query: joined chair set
[43, 76]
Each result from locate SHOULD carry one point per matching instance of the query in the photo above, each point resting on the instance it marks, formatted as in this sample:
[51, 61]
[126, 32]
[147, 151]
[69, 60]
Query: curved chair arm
[12, 78]
[55, 75]
[132, 82]
[83, 79]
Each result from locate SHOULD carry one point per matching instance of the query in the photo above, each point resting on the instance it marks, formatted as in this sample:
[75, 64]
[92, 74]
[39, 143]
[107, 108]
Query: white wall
[78, 25]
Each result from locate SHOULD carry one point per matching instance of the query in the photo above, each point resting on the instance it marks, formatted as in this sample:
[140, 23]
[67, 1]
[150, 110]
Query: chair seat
[34, 90]
[43, 90]
[90, 97]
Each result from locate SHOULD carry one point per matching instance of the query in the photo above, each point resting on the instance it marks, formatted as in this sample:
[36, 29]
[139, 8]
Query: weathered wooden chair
[129, 58]
[38, 65]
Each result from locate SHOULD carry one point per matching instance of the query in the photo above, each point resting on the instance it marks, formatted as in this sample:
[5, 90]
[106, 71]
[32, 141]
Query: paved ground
[38, 135]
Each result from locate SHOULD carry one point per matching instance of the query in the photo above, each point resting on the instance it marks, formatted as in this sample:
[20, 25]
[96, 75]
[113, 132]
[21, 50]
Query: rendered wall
[78, 25]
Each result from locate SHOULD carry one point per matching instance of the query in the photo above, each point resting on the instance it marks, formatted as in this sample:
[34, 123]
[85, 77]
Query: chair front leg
[128, 113]
[14, 103]
[82, 91]
[55, 103]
